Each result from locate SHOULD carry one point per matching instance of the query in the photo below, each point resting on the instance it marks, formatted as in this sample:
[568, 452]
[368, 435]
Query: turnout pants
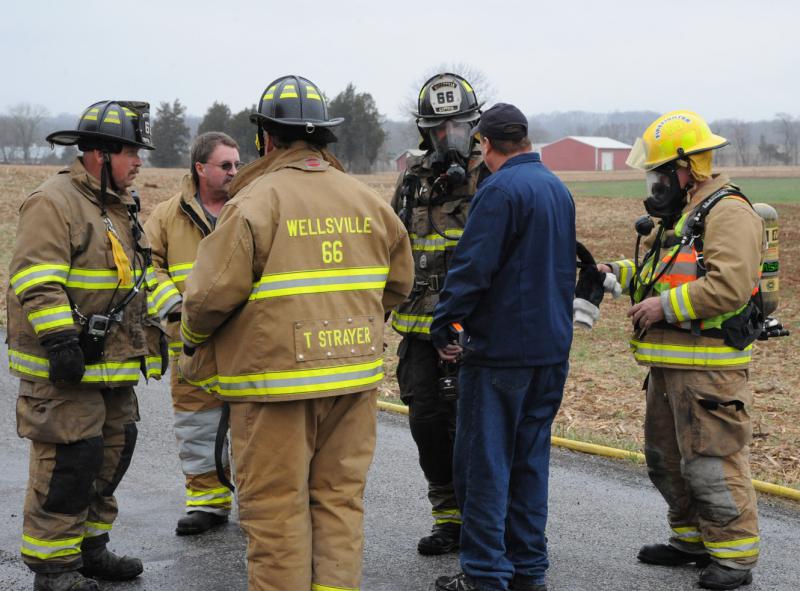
[82, 442]
[697, 435]
[432, 422]
[301, 469]
[197, 415]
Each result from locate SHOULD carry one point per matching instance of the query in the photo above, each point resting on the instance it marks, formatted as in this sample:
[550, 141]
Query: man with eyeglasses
[175, 229]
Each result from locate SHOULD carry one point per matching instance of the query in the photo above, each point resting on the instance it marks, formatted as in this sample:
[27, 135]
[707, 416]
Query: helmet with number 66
[446, 110]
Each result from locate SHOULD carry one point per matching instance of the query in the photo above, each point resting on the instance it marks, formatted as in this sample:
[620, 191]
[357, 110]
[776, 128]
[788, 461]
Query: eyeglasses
[227, 166]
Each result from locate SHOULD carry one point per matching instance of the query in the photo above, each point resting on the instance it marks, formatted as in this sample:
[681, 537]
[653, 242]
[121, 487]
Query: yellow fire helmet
[677, 134]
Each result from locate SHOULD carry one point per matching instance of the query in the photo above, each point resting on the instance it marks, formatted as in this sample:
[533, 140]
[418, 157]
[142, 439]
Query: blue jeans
[501, 469]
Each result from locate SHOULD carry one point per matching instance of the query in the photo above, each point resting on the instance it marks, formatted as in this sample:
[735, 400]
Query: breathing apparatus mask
[452, 145]
[666, 198]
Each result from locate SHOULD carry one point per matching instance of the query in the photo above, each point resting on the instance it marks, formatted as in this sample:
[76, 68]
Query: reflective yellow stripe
[279, 383]
[312, 93]
[194, 338]
[179, 272]
[48, 549]
[690, 355]
[269, 94]
[96, 528]
[412, 323]
[447, 516]
[166, 296]
[56, 316]
[320, 281]
[318, 587]
[175, 348]
[467, 87]
[107, 372]
[152, 365]
[288, 91]
[687, 534]
[214, 496]
[36, 274]
[735, 548]
[435, 242]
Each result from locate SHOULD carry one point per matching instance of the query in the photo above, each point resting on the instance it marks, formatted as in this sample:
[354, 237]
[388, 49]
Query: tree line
[369, 141]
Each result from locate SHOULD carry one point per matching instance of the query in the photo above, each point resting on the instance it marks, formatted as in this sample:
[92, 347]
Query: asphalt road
[601, 512]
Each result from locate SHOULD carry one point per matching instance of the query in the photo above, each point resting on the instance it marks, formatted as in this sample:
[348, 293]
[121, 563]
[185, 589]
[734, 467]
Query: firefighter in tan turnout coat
[82, 326]
[695, 318]
[283, 318]
[174, 229]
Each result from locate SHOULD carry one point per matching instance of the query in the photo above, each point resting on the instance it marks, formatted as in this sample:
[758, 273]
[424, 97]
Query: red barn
[401, 161]
[585, 153]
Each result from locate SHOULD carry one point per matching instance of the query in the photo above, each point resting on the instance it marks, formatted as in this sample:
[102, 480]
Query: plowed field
[603, 401]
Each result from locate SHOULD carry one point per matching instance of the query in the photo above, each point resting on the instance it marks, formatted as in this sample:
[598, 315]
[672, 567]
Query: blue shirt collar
[521, 159]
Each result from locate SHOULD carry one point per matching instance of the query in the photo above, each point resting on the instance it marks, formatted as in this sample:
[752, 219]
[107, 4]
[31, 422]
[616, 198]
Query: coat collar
[90, 186]
[521, 159]
[711, 186]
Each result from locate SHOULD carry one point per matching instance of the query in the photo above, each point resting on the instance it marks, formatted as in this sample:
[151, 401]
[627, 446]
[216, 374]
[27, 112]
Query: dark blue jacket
[512, 277]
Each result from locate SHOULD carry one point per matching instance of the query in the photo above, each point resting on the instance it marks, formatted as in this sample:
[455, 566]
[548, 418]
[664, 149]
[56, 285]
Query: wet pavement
[601, 512]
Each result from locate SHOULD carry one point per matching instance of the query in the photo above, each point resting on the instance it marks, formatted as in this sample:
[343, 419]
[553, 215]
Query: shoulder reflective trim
[734, 548]
[407, 323]
[53, 317]
[96, 528]
[107, 372]
[280, 383]
[192, 338]
[687, 534]
[36, 274]
[320, 281]
[434, 242]
[48, 549]
[690, 355]
[318, 587]
[214, 496]
[180, 271]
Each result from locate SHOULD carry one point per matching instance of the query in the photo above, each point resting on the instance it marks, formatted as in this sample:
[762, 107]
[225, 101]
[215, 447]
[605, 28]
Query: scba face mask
[451, 136]
[665, 198]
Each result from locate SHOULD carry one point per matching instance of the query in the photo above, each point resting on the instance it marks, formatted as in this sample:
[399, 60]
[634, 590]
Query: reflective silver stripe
[688, 355]
[57, 316]
[406, 323]
[180, 271]
[196, 433]
[49, 549]
[433, 242]
[152, 365]
[96, 528]
[296, 382]
[206, 498]
[734, 548]
[687, 534]
[108, 372]
[36, 274]
[317, 282]
[447, 516]
[176, 348]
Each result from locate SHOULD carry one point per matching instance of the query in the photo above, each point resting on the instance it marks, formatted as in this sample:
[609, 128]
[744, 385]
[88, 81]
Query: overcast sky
[723, 59]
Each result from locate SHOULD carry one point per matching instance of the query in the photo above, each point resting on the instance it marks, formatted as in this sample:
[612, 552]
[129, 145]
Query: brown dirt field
[603, 401]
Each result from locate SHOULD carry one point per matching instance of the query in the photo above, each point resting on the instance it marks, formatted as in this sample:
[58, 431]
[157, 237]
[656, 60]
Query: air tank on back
[768, 286]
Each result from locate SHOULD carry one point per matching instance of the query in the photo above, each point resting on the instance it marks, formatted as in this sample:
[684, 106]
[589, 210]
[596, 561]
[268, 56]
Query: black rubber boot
[459, 582]
[716, 576]
[197, 522]
[100, 563]
[444, 538]
[666, 555]
[69, 581]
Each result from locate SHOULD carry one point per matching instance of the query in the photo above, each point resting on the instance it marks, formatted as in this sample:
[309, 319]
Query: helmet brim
[70, 137]
[259, 117]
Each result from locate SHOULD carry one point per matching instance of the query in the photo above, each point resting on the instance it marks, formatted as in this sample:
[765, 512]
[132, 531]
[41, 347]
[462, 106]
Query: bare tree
[6, 139]
[25, 121]
[789, 130]
[477, 78]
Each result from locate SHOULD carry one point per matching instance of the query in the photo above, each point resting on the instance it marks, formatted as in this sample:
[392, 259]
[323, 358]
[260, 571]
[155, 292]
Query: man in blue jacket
[510, 286]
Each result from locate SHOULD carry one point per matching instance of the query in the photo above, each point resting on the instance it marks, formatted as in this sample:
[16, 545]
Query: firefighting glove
[65, 356]
[589, 291]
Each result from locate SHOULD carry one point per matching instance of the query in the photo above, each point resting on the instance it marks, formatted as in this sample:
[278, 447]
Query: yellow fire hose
[621, 454]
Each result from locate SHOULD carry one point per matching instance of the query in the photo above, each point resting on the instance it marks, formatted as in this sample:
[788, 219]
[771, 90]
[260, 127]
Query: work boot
[444, 538]
[666, 555]
[518, 584]
[716, 576]
[459, 582]
[196, 522]
[68, 581]
[100, 563]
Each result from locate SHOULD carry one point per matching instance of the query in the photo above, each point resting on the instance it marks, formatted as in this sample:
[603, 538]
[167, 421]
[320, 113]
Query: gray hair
[204, 144]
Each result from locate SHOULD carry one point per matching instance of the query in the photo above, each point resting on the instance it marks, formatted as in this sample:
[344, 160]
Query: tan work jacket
[63, 271]
[733, 247]
[175, 229]
[287, 297]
